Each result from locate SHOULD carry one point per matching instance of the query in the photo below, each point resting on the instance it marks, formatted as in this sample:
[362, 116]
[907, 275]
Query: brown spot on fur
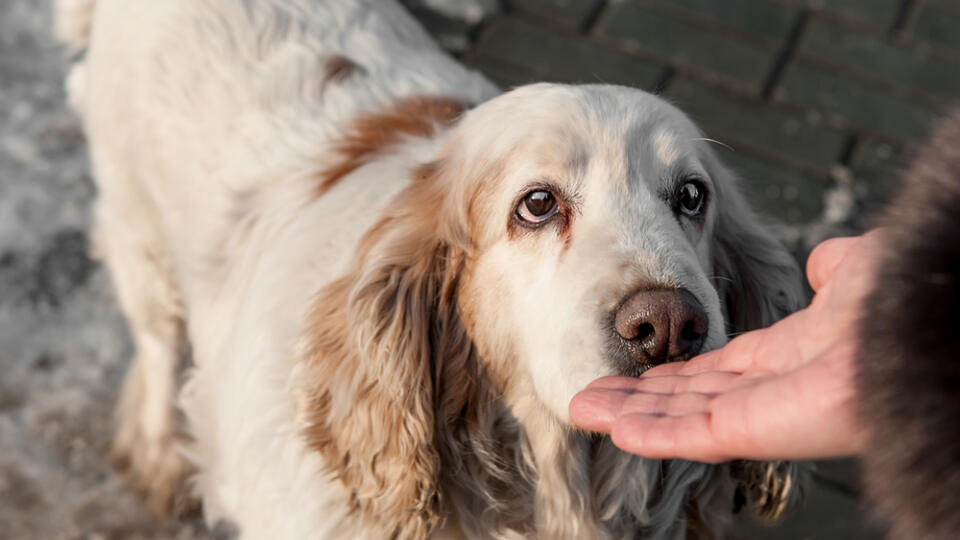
[372, 133]
[337, 69]
[566, 234]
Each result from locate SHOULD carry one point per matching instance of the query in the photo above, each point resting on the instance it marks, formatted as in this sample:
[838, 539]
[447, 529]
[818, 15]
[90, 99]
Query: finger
[665, 404]
[825, 258]
[613, 383]
[705, 382]
[772, 349]
[685, 437]
[710, 361]
[595, 409]
[616, 382]
[740, 354]
[670, 368]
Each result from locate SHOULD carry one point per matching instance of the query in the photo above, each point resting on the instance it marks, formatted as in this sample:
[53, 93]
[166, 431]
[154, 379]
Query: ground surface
[818, 103]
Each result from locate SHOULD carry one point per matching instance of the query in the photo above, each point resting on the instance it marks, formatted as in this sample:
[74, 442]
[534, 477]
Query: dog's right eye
[537, 207]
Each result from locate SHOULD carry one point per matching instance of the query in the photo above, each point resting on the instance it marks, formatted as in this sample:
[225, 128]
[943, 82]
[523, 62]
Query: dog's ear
[757, 279]
[376, 344]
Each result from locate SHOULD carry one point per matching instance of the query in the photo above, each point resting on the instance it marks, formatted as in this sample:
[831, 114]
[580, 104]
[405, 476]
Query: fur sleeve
[909, 365]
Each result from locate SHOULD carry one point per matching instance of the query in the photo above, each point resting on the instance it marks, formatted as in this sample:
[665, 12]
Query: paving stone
[856, 102]
[452, 34]
[949, 5]
[780, 193]
[840, 474]
[824, 514]
[869, 55]
[744, 122]
[503, 74]
[936, 23]
[689, 45]
[552, 55]
[878, 13]
[572, 13]
[760, 18]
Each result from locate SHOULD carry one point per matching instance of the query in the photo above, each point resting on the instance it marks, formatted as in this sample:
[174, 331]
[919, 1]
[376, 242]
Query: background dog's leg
[145, 439]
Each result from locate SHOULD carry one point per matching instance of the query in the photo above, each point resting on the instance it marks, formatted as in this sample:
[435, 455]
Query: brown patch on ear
[369, 406]
[372, 133]
[389, 368]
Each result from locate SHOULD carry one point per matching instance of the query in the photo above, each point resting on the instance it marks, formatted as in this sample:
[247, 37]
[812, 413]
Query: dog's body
[288, 187]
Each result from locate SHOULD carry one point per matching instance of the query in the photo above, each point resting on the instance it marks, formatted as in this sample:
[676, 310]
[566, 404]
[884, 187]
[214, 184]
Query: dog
[391, 277]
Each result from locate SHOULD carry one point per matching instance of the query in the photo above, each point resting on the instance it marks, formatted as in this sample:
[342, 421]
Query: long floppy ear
[758, 280]
[759, 283]
[370, 351]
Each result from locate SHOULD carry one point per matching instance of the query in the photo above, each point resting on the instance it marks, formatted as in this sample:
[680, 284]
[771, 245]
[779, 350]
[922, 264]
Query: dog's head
[603, 235]
[561, 234]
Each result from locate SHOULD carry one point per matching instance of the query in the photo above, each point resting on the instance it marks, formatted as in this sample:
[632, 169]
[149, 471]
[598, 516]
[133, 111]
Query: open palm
[783, 392]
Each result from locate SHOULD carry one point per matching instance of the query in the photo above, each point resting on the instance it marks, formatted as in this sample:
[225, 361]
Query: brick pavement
[820, 100]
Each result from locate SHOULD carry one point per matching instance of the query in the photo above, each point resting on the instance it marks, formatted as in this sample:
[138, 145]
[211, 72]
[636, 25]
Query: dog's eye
[690, 198]
[537, 206]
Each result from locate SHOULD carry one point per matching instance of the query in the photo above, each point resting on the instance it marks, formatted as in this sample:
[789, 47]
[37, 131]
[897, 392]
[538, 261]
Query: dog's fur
[323, 205]
[908, 374]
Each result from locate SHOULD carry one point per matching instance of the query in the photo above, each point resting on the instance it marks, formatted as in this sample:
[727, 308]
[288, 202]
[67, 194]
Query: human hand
[783, 392]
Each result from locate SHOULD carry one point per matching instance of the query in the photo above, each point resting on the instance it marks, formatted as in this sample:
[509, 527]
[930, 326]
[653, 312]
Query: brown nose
[662, 325]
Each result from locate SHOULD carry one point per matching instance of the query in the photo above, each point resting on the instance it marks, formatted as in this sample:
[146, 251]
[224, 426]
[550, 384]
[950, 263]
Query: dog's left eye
[537, 206]
[690, 198]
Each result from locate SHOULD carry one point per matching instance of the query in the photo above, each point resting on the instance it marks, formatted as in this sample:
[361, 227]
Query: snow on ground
[63, 344]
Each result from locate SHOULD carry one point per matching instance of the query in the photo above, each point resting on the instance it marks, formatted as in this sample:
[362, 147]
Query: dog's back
[198, 102]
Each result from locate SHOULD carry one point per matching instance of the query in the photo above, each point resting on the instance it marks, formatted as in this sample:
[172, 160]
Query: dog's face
[593, 213]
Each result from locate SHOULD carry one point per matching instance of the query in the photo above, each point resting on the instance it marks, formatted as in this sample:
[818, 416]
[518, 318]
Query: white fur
[665, 144]
[208, 125]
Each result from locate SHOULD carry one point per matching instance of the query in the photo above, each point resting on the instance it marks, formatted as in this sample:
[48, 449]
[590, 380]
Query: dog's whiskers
[714, 141]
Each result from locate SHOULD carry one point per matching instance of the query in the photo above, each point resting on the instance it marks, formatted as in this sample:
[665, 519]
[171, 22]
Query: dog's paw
[156, 470]
[145, 453]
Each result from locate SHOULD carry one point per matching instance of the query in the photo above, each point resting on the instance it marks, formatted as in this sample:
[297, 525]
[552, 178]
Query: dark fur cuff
[908, 365]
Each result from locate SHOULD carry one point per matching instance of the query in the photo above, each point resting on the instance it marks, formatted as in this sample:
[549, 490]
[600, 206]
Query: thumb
[825, 258]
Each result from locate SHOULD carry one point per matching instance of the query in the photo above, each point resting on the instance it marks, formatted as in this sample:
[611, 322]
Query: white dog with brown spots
[392, 278]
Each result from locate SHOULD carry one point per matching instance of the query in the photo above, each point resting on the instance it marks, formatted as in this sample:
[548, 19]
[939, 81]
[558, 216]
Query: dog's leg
[146, 431]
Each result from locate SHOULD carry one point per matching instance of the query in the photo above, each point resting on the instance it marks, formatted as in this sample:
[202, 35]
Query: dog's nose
[662, 325]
